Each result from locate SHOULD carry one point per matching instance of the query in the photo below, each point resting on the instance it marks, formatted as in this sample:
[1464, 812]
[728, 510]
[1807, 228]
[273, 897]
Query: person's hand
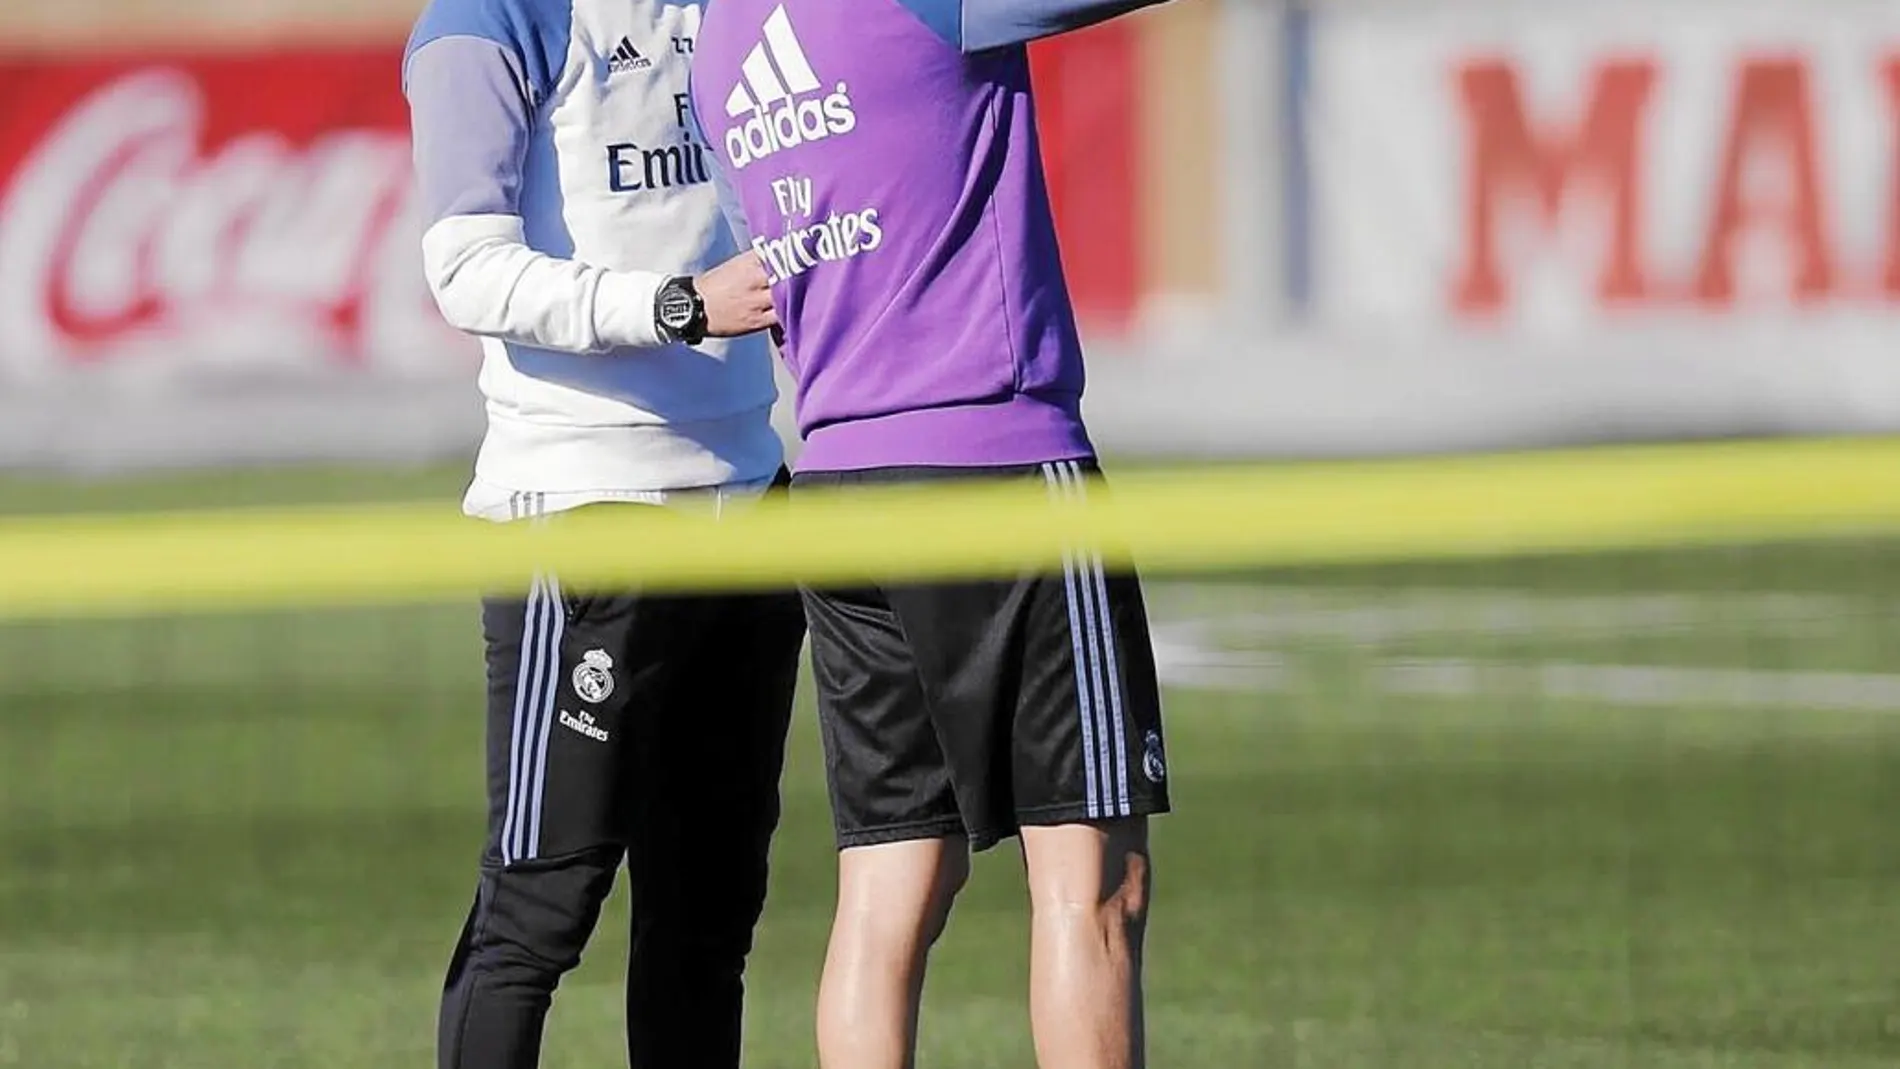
[738, 297]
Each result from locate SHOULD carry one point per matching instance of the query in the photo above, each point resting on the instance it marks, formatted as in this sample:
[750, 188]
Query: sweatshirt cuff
[623, 309]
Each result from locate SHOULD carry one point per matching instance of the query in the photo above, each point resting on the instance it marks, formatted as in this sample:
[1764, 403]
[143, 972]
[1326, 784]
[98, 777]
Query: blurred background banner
[1608, 170]
[212, 256]
[1502, 224]
[250, 213]
[1344, 228]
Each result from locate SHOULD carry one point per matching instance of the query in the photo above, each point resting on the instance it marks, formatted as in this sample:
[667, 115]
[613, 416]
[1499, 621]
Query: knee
[704, 918]
[953, 874]
[898, 899]
[536, 923]
[695, 942]
[1113, 905]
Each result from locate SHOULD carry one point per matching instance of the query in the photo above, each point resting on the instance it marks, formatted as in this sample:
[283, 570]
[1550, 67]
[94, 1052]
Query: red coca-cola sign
[250, 211]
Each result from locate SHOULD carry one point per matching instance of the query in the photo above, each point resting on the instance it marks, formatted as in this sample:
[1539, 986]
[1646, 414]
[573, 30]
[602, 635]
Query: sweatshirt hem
[1025, 429]
[533, 457]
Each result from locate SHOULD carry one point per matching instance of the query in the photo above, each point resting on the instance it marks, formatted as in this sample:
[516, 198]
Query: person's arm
[745, 272]
[470, 116]
[980, 25]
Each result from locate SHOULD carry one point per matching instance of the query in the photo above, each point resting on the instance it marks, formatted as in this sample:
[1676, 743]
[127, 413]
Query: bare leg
[1088, 886]
[893, 902]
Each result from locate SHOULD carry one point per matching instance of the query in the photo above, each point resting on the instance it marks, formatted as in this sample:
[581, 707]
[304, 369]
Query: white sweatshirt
[565, 179]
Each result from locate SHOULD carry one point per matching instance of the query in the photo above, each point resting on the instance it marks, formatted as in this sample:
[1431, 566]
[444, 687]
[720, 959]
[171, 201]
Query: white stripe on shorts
[1118, 738]
[1089, 771]
[1111, 723]
[1085, 635]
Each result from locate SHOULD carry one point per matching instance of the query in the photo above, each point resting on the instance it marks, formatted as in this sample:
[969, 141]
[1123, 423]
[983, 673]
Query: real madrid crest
[1154, 761]
[594, 677]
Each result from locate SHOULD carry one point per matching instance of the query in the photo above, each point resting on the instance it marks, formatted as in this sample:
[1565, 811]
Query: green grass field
[1606, 811]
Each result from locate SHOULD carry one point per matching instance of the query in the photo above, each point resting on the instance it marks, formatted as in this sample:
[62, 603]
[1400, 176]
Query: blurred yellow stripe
[1206, 519]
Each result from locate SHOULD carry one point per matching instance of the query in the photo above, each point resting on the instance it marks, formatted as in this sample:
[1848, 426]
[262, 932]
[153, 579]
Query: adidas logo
[627, 58]
[775, 98]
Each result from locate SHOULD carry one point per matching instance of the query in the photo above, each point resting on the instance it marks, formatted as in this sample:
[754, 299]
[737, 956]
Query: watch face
[676, 309]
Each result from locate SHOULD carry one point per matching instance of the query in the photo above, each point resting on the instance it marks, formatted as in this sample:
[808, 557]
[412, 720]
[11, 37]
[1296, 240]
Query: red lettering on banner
[251, 211]
[1890, 282]
[1507, 153]
[1773, 120]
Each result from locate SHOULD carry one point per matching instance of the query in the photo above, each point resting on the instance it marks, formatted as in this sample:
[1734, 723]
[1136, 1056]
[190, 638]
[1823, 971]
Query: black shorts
[977, 708]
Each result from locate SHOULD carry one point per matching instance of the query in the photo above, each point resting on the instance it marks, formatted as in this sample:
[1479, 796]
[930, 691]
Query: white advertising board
[1566, 171]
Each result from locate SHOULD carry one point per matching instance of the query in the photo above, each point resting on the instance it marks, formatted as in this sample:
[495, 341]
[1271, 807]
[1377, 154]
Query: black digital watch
[679, 311]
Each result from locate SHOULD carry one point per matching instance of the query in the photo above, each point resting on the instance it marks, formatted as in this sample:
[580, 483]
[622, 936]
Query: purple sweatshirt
[884, 154]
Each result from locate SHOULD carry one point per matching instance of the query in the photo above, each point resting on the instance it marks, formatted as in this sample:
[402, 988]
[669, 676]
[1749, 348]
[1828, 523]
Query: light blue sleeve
[469, 122]
[536, 33]
[980, 25]
[475, 73]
